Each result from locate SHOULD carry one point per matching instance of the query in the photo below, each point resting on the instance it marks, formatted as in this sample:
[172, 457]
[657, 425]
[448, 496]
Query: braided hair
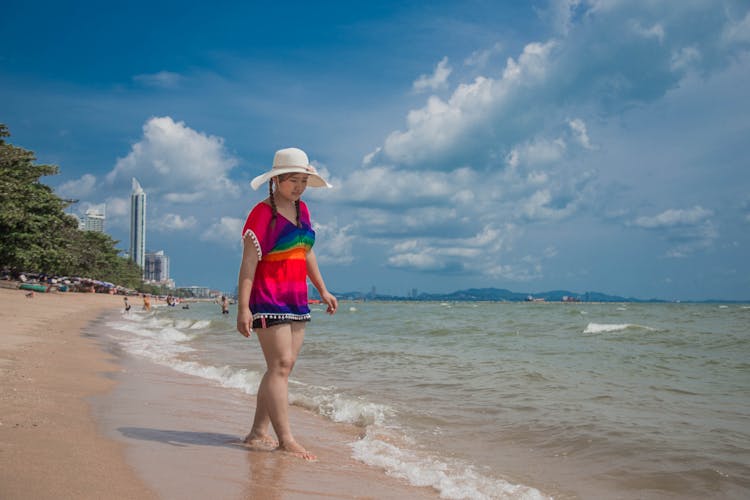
[273, 203]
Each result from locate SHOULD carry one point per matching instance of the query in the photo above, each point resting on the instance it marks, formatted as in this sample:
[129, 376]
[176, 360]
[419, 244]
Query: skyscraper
[94, 218]
[157, 267]
[138, 225]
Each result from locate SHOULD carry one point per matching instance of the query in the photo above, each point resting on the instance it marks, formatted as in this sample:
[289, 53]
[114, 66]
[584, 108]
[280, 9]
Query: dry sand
[78, 419]
[49, 443]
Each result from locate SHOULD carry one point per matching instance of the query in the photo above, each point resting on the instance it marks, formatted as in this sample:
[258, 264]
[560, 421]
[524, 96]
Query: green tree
[33, 224]
[37, 235]
[92, 254]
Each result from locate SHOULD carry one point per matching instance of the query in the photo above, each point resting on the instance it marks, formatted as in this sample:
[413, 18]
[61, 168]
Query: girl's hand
[331, 302]
[244, 321]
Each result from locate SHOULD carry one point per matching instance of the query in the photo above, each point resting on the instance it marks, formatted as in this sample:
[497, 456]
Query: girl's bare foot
[264, 441]
[297, 450]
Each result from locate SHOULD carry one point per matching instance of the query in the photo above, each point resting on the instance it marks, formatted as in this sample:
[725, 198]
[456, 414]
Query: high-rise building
[157, 267]
[138, 225]
[94, 218]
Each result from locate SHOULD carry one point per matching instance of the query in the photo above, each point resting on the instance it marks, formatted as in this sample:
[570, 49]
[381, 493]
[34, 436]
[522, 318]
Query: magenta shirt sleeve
[256, 228]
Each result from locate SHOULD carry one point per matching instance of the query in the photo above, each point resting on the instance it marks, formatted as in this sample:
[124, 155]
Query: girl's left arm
[313, 272]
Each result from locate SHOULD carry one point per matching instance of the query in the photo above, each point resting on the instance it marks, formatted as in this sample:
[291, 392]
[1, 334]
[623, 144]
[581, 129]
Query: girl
[277, 259]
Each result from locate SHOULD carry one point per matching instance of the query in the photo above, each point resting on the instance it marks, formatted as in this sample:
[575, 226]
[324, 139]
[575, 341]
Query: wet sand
[183, 436]
[79, 419]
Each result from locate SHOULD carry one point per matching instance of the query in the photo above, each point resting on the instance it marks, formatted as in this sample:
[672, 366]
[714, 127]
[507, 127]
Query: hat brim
[314, 180]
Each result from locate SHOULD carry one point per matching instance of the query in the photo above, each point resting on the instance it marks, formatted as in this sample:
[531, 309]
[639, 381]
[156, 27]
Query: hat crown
[291, 161]
[290, 157]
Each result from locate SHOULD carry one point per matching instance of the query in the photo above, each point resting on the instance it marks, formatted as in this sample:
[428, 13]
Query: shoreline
[50, 445]
[80, 418]
[183, 437]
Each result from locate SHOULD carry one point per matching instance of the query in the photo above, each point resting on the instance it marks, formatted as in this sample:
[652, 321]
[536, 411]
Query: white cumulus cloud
[537, 152]
[687, 230]
[482, 57]
[684, 58]
[118, 206]
[175, 222]
[738, 31]
[674, 217]
[474, 254]
[578, 127]
[77, 188]
[654, 31]
[436, 80]
[226, 231]
[382, 185]
[540, 206]
[333, 243]
[173, 158]
[465, 119]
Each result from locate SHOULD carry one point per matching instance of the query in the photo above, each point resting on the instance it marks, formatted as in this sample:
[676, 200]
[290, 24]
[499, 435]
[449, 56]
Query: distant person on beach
[127, 304]
[277, 259]
[224, 305]
[146, 302]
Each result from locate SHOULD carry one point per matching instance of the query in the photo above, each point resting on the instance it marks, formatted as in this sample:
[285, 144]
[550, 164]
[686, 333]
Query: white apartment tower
[138, 225]
[94, 218]
[157, 267]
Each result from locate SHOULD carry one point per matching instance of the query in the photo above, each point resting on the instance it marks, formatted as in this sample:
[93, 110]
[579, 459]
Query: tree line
[36, 235]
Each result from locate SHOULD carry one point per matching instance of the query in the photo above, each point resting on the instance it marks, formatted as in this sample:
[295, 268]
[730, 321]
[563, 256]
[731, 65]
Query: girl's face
[291, 186]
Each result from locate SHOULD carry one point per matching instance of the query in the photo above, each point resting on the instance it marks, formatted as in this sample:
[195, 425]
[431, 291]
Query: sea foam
[339, 408]
[453, 480]
[200, 324]
[163, 341]
[617, 327]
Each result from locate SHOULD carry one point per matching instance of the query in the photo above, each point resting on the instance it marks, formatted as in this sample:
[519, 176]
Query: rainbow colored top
[280, 283]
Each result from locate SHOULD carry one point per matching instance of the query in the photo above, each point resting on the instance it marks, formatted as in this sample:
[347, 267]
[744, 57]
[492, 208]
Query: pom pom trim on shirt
[293, 317]
[250, 233]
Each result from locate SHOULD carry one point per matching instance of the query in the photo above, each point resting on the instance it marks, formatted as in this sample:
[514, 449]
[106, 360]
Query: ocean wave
[613, 327]
[385, 444]
[159, 331]
[326, 401]
[163, 345]
[200, 324]
[226, 376]
[152, 338]
[162, 341]
[450, 478]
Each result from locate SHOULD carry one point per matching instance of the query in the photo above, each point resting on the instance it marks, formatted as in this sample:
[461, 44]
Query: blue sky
[570, 144]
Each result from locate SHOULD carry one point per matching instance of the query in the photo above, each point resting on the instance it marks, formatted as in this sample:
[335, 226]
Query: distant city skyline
[138, 225]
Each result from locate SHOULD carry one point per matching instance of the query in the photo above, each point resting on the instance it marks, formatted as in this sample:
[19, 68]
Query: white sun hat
[291, 161]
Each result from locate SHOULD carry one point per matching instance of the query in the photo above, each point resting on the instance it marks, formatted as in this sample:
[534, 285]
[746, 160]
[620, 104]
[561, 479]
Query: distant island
[504, 295]
[494, 295]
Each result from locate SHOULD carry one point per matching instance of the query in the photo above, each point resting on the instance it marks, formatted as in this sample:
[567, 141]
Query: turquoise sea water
[516, 400]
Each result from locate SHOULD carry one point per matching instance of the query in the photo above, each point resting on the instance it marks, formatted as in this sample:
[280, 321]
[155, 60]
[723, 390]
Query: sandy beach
[50, 446]
[79, 419]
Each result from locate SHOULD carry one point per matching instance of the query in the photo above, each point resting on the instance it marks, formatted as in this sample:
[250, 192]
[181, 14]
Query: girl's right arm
[244, 286]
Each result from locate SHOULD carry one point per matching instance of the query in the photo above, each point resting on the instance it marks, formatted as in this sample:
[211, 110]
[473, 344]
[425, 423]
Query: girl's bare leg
[259, 434]
[281, 345]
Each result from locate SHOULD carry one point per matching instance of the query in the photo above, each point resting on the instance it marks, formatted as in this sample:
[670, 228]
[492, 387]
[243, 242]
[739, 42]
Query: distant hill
[497, 295]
